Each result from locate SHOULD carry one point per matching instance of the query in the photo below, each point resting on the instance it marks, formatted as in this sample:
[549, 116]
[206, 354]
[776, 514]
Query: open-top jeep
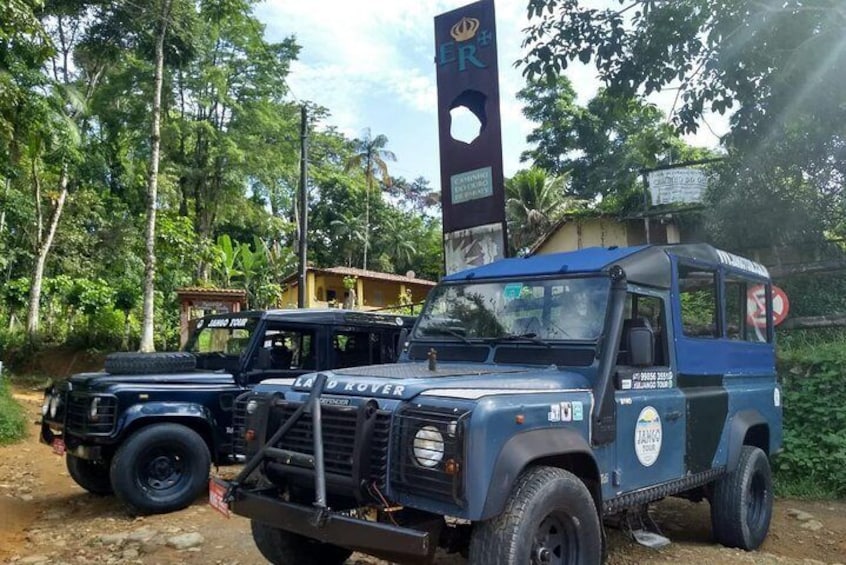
[150, 425]
[540, 398]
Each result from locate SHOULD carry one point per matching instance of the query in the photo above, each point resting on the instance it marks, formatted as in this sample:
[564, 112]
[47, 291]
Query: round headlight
[45, 406]
[428, 446]
[54, 406]
[93, 411]
[252, 406]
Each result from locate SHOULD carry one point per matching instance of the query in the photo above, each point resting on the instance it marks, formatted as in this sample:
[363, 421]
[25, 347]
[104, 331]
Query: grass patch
[30, 382]
[805, 487]
[12, 417]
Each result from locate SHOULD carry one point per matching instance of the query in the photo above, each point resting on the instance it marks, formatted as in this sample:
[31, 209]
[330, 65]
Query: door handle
[673, 416]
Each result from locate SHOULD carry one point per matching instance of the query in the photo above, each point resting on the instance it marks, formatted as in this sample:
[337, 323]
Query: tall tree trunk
[152, 186]
[6, 184]
[367, 220]
[43, 246]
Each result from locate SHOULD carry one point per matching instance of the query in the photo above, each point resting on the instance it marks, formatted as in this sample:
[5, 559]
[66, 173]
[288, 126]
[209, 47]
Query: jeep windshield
[535, 310]
[219, 342]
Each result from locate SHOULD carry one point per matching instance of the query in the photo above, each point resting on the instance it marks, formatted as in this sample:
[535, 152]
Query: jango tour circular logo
[648, 435]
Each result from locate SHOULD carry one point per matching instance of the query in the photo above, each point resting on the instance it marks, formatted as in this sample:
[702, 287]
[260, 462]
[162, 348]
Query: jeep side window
[353, 348]
[289, 349]
[742, 307]
[641, 310]
[698, 299]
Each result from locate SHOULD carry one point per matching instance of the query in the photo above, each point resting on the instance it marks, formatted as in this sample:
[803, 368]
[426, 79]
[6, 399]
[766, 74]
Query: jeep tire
[161, 468]
[93, 476]
[742, 502]
[550, 517]
[149, 363]
[285, 548]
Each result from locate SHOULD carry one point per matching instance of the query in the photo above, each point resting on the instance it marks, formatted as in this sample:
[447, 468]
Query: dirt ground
[46, 518]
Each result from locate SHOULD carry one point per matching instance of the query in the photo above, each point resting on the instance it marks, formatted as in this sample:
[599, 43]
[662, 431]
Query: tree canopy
[601, 146]
[776, 67]
[76, 105]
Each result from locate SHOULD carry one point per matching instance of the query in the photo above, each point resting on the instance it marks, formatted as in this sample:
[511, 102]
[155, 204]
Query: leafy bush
[814, 458]
[103, 331]
[12, 418]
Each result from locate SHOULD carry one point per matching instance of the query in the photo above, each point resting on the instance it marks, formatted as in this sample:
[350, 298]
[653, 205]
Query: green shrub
[814, 459]
[12, 417]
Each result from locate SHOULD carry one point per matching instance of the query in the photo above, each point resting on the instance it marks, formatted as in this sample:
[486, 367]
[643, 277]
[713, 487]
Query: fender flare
[741, 422]
[524, 448]
[143, 414]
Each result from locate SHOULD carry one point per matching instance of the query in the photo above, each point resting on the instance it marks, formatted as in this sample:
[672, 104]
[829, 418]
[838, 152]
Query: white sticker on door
[648, 434]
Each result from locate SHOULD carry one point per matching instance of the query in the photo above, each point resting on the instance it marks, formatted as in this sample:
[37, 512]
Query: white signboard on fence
[677, 186]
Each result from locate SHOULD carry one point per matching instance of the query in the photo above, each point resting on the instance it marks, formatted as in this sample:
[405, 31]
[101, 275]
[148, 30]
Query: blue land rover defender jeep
[148, 427]
[539, 398]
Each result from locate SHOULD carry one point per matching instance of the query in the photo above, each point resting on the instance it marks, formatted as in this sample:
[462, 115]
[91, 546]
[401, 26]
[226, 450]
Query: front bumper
[386, 541]
[71, 446]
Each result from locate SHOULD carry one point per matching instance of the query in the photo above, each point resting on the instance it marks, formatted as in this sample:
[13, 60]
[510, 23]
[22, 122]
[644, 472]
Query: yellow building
[579, 231]
[373, 290]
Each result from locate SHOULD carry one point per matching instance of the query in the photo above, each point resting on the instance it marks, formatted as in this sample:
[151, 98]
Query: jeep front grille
[410, 477]
[78, 420]
[341, 440]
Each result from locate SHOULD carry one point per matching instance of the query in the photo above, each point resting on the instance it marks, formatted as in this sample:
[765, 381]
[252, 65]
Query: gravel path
[46, 518]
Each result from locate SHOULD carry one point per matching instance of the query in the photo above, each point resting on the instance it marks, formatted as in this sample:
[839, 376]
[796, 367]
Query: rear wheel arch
[747, 427]
[758, 436]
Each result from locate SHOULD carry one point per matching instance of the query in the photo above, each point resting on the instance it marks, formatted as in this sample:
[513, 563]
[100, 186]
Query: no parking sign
[756, 300]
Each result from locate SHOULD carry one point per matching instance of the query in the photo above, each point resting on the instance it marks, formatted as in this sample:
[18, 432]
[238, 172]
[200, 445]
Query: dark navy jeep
[539, 399]
[149, 427]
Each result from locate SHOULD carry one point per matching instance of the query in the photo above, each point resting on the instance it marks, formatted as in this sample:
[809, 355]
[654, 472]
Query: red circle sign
[756, 309]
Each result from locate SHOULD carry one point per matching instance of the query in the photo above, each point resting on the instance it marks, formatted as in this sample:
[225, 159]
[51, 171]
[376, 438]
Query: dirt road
[46, 518]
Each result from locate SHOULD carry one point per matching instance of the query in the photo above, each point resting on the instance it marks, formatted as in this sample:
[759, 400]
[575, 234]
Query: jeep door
[285, 350]
[650, 446]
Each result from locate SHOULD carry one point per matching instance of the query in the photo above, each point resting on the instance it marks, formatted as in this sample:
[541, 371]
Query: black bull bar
[318, 521]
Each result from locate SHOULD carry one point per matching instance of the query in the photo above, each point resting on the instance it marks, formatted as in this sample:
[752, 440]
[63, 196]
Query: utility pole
[646, 206]
[303, 250]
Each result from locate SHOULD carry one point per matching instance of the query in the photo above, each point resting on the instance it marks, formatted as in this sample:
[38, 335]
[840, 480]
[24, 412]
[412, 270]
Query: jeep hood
[194, 378]
[468, 380]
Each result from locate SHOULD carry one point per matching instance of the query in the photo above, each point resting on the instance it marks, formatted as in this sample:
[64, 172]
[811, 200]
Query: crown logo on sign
[465, 29]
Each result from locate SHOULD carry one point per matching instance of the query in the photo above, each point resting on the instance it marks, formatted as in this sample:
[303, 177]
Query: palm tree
[534, 202]
[370, 156]
[395, 239]
[348, 227]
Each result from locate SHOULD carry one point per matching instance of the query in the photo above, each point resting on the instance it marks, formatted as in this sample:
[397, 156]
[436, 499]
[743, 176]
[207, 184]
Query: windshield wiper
[443, 330]
[533, 337]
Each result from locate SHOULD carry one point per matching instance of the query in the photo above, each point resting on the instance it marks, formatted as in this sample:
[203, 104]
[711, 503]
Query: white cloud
[365, 59]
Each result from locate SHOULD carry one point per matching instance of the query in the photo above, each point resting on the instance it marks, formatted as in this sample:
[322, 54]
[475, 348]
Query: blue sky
[370, 62]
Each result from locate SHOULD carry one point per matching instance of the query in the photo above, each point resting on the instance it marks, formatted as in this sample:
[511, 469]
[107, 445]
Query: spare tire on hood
[150, 363]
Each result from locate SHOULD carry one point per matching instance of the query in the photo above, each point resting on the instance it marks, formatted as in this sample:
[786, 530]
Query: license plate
[217, 492]
[58, 446]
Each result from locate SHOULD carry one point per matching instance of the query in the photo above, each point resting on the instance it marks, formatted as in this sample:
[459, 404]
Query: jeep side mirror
[641, 347]
[403, 337]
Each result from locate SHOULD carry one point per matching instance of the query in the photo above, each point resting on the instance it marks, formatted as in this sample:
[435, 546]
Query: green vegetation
[774, 66]
[12, 417]
[813, 463]
[76, 152]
